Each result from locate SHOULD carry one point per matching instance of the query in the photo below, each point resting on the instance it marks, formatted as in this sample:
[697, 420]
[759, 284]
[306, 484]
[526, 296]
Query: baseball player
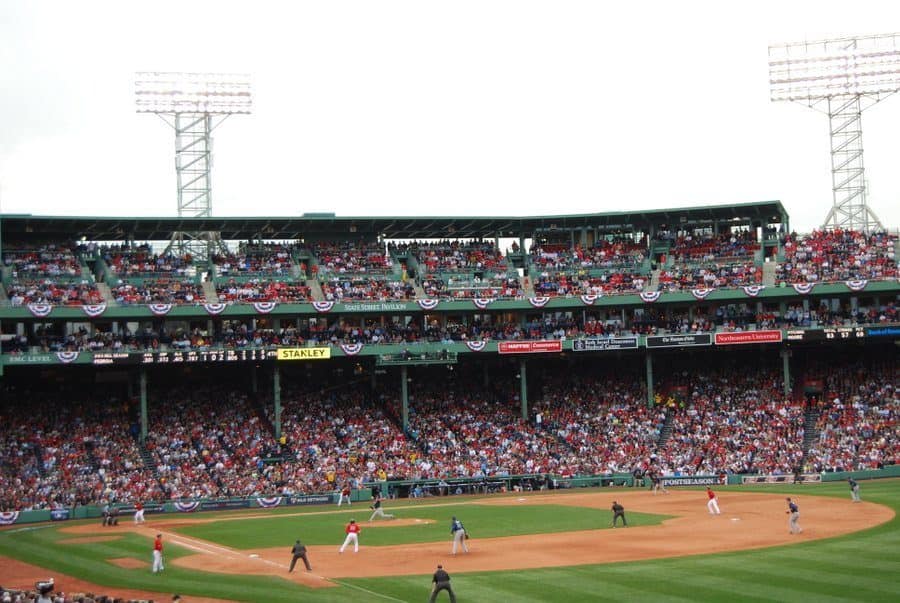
[713, 503]
[299, 552]
[656, 480]
[459, 535]
[377, 511]
[352, 531]
[794, 512]
[854, 489]
[618, 511]
[441, 581]
[157, 554]
[344, 495]
[138, 512]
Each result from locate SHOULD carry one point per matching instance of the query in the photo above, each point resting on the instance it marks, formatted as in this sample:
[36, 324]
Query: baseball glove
[467, 535]
[371, 508]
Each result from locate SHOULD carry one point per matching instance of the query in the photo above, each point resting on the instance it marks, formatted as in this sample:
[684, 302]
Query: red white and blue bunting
[857, 285]
[323, 306]
[264, 307]
[214, 309]
[476, 346]
[160, 309]
[650, 296]
[187, 507]
[701, 293]
[538, 302]
[428, 304]
[752, 290]
[67, 357]
[588, 300]
[803, 288]
[40, 310]
[7, 518]
[482, 302]
[94, 310]
[269, 503]
[352, 349]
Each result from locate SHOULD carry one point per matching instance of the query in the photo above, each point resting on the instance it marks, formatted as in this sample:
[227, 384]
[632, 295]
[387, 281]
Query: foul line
[366, 590]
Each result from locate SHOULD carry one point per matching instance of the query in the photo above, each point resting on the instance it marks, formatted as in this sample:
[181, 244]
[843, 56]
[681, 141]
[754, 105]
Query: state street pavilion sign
[304, 353]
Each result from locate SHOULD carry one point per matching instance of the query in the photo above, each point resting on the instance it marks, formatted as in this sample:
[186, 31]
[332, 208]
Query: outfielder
[854, 489]
[377, 511]
[794, 512]
[344, 495]
[713, 502]
[459, 535]
[352, 531]
[157, 554]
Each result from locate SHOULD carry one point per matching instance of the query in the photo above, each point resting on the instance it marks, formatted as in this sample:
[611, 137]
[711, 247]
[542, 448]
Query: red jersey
[157, 545]
[352, 528]
[346, 491]
[139, 507]
[711, 494]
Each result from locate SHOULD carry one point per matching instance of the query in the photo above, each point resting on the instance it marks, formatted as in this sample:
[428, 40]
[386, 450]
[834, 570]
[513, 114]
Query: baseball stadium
[683, 404]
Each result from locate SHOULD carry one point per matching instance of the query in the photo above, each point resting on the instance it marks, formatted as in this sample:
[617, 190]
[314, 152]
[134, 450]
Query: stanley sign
[304, 353]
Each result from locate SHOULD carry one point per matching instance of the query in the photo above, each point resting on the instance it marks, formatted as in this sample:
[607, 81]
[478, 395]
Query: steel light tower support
[193, 104]
[840, 78]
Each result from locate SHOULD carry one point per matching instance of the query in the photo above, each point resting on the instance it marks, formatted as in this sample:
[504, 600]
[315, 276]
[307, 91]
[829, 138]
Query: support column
[650, 393]
[487, 377]
[276, 394]
[143, 404]
[254, 380]
[404, 396]
[523, 389]
[786, 370]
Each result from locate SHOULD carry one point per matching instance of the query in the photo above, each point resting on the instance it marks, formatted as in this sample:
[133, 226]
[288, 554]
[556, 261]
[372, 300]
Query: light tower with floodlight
[841, 78]
[193, 104]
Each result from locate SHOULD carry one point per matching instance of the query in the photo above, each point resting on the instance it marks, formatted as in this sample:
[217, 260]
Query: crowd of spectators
[48, 261]
[455, 256]
[561, 284]
[732, 420]
[709, 275]
[837, 255]
[270, 259]
[263, 289]
[708, 247]
[616, 253]
[159, 291]
[858, 420]
[26, 291]
[352, 258]
[140, 261]
[366, 289]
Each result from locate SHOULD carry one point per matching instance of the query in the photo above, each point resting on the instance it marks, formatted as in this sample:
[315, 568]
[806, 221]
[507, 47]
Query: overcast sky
[432, 108]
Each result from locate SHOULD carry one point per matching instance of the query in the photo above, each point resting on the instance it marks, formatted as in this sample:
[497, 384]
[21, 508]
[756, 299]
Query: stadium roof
[27, 226]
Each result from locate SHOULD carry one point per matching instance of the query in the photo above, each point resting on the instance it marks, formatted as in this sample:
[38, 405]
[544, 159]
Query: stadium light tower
[841, 78]
[193, 104]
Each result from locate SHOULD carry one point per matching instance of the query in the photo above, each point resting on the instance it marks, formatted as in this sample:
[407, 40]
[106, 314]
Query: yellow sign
[304, 353]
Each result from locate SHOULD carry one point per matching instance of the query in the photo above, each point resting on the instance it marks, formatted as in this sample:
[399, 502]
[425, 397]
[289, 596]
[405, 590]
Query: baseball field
[524, 547]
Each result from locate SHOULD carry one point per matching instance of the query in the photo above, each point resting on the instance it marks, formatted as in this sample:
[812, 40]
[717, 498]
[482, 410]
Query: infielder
[854, 489]
[713, 502]
[459, 535]
[138, 513]
[794, 512]
[344, 495]
[157, 554]
[377, 511]
[352, 531]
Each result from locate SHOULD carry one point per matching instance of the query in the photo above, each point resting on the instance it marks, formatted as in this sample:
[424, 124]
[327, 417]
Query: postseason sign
[592, 344]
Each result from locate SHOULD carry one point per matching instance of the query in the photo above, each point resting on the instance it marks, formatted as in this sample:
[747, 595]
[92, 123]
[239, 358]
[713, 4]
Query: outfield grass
[482, 521]
[864, 566]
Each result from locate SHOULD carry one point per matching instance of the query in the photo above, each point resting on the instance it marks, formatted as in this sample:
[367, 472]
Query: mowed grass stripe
[838, 581]
[482, 521]
[850, 563]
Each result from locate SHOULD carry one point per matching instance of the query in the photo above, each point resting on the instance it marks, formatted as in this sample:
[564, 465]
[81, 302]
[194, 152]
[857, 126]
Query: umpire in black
[618, 511]
[299, 552]
[441, 582]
